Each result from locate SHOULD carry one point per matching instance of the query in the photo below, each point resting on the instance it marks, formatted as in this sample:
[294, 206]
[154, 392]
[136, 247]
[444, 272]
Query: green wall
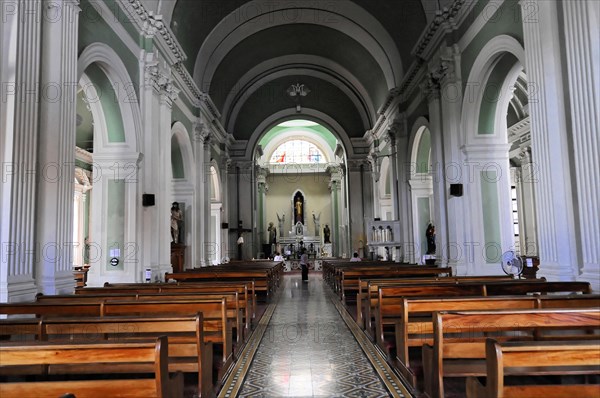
[108, 100]
[491, 215]
[506, 20]
[115, 222]
[92, 29]
[423, 218]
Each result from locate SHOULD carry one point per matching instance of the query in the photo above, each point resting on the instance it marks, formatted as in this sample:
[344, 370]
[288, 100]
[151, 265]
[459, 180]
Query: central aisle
[308, 351]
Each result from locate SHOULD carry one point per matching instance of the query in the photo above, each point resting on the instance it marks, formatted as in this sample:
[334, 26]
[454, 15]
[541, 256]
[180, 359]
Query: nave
[308, 350]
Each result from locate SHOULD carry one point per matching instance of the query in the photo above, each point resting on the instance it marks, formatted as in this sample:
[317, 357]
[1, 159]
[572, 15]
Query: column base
[18, 289]
[591, 274]
[59, 283]
[556, 272]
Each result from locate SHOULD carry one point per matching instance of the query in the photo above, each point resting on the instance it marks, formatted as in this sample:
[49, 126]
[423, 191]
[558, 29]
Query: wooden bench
[237, 308]
[415, 326]
[458, 348]
[188, 351]
[537, 358]
[368, 291]
[389, 303]
[263, 279]
[153, 353]
[214, 313]
[350, 278]
[244, 288]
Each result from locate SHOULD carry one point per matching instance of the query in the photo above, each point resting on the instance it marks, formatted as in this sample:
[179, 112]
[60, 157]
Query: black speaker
[456, 189]
[224, 225]
[148, 199]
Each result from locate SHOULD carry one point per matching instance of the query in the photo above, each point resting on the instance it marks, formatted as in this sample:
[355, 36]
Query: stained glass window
[297, 151]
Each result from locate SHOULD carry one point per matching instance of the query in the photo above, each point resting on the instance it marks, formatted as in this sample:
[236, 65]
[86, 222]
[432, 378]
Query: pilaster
[56, 145]
[431, 88]
[581, 43]
[557, 234]
[21, 48]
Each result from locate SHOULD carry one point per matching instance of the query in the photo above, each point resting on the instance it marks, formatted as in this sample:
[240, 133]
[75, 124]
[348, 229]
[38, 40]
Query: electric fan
[512, 264]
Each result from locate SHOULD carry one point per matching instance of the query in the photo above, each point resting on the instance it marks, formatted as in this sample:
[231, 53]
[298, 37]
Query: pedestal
[177, 257]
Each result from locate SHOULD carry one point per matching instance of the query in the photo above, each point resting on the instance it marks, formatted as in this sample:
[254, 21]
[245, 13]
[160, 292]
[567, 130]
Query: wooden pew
[214, 313]
[264, 280]
[154, 353]
[237, 308]
[537, 358]
[390, 298]
[188, 351]
[387, 311]
[368, 288]
[459, 338]
[415, 326]
[244, 288]
[350, 278]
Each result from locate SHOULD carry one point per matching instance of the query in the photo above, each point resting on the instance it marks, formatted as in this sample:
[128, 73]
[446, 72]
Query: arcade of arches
[479, 117]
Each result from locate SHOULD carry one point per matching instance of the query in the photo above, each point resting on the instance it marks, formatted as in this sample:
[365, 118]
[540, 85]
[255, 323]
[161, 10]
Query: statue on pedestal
[317, 222]
[176, 223]
[430, 235]
[272, 233]
[326, 234]
[281, 221]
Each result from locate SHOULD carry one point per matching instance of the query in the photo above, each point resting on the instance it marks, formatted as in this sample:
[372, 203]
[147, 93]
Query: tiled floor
[308, 351]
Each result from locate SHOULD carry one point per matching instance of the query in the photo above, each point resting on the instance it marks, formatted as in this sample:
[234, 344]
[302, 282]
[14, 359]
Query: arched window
[297, 151]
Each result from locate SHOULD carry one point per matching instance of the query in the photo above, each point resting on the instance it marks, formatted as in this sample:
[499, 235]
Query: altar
[298, 239]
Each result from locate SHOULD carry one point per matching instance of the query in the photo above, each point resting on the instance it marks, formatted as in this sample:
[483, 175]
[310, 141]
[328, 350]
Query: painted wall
[317, 198]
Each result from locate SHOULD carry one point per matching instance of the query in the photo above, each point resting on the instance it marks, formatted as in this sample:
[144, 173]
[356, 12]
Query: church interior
[171, 168]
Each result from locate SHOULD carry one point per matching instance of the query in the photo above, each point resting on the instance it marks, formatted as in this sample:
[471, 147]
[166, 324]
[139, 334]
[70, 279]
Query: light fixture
[297, 91]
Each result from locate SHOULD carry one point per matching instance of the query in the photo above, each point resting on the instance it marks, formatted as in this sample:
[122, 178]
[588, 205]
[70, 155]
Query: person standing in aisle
[304, 265]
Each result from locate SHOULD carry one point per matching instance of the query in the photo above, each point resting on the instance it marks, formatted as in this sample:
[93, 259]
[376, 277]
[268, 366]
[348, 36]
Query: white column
[335, 186]
[440, 192]
[223, 250]
[157, 94]
[402, 160]
[206, 204]
[582, 32]
[527, 217]
[200, 135]
[57, 146]
[557, 233]
[20, 72]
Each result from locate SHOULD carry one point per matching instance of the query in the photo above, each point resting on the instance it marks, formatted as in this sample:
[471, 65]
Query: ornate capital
[430, 88]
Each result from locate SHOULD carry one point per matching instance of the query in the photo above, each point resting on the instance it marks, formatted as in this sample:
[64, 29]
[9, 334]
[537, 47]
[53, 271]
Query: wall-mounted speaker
[148, 199]
[224, 225]
[456, 189]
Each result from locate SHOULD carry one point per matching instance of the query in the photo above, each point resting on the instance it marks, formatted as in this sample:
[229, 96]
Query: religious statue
[430, 235]
[298, 207]
[272, 233]
[317, 223]
[281, 221]
[176, 222]
[327, 234]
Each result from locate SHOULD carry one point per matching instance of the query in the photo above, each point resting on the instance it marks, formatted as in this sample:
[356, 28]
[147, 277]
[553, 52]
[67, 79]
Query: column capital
[202, 133]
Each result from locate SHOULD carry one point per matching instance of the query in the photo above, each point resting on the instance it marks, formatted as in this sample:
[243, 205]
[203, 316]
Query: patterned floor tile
[307, 350]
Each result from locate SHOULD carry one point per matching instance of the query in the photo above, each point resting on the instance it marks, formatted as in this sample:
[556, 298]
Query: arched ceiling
[349, 53]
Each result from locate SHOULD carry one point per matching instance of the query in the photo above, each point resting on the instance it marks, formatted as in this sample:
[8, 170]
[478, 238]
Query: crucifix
[240, 238]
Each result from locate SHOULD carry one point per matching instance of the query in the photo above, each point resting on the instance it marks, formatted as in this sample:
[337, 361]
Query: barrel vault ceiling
[247, 54]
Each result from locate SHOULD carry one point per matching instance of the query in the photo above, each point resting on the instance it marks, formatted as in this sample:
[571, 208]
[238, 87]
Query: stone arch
[114, 68]
[180, 133]
[312, 115]
[483, 66]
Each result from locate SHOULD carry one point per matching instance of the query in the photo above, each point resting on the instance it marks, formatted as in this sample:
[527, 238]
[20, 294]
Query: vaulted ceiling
[245, 54]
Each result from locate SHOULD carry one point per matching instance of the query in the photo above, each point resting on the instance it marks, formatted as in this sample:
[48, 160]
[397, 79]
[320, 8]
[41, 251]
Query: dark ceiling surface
[193, 22]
